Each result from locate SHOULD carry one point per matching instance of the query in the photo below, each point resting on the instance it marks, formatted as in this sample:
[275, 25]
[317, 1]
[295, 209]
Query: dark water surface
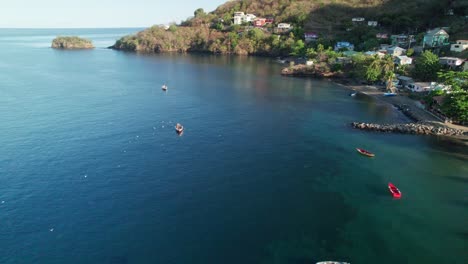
[92, 171]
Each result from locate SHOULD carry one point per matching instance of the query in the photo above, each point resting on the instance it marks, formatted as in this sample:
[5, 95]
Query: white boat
[353, 94]
[164, 87]
[389, 94]
[332, 262]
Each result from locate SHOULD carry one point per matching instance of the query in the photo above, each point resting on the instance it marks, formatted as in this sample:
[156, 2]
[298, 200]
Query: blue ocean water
[92, 171]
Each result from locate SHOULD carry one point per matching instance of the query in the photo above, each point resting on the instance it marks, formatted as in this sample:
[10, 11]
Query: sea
[266, 170]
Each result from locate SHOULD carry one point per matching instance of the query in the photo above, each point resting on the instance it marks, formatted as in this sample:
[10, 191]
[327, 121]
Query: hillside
[214, 32]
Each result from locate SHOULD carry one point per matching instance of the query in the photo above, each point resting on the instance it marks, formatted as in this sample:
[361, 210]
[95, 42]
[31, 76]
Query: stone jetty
[410, 128]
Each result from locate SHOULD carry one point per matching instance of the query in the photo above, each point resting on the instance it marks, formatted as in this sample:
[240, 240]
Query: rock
[71, 43]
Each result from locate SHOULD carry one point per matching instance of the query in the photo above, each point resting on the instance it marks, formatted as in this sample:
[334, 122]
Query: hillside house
[238, 18]
[270, 20]
[381, 35]
[284, 26]
[310, 36]
[358, 20]
[395, 51]
[403, 60]
[419, 87]
[451, 62]
[402, 40]
[343, 45]
[371, 23]
[460, 46]
[375, 53]
[249, 18]
[259, 22]
[435, 38]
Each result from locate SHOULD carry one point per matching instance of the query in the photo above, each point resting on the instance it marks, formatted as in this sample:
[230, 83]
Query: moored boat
[365, 152]
[179, 128]
[353, 94]
[164, 87]
[389, 94]
[394, 190]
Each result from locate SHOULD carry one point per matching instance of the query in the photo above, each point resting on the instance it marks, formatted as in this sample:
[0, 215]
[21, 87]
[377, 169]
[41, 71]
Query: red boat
[365, 152]
[394, 190]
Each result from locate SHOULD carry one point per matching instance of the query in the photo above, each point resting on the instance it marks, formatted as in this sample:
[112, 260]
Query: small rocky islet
[71, 42]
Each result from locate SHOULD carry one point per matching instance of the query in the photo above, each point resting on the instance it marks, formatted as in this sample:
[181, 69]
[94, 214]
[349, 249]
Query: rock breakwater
[411, 128]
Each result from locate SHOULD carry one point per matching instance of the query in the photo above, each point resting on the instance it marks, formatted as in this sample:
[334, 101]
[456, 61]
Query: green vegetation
[71, 43]
[456, 103]
[426, 66]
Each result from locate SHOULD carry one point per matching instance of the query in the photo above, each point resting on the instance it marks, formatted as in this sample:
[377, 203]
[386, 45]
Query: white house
[403, 60]
[358, 19]
[395, 51]
[451, 61]
[372, 23]
[460, 46]
[238, 18]
[249, 18]
[284, 25]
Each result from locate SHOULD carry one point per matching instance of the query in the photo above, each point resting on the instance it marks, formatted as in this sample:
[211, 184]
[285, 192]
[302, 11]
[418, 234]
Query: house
[248, 18]
[460, 46]
[309, 62]
[372, 23]
[310, 36]
[284, 26]
[451, 61]
[402, 40]
[344, 45]
[259, 22]
[381, 35]
[358, 19]
[395, 51]
[344, 60]
[238, 18]
[435, 38]
[374, 53]
[403, 60]
[270, 20]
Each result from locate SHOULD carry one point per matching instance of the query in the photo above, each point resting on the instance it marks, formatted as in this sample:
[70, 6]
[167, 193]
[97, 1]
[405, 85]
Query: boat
[353, 94]
[389, 94]
[394, 190]
[365, 152]
[164, 87]
[332, 262]
[179, 128]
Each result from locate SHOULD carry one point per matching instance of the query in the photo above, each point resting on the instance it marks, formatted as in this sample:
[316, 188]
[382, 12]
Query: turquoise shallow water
[91, 170]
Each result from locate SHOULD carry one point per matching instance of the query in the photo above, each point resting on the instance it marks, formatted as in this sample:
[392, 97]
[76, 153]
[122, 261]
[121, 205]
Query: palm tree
[388, 68]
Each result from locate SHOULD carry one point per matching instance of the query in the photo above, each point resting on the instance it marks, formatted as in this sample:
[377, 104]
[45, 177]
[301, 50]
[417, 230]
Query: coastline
[407, 106]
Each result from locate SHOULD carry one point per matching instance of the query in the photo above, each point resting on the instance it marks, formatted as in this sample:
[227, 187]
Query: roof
[449, 58]
[403, 57]
[395, 48]
[435, 31]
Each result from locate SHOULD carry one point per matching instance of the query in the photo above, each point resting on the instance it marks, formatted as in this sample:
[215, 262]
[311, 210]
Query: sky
[97, 13]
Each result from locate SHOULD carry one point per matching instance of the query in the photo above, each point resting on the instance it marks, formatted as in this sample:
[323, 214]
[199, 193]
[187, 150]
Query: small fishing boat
[365, 152]
[164, 87]
[179, 128]
[353, 94]
[394, 190]
[332, 262]
[389, 94]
